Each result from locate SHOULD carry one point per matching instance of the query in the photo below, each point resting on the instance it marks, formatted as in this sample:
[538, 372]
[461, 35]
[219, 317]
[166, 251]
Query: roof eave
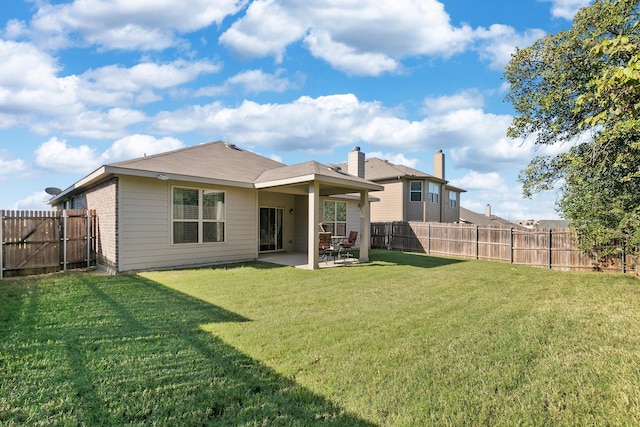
[346, 183]
[105, 171]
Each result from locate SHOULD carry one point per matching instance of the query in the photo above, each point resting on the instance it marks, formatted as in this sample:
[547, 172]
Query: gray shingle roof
[304, 169]
[379, 170]
[203, 161]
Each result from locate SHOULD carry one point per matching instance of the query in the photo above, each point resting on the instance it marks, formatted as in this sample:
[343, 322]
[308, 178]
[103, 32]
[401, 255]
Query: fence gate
[38, 242]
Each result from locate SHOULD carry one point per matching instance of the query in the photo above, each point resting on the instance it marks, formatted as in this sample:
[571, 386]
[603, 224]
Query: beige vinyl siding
[452, 214]
[353, 219]
[424, 210]
[390, 206]
[434, 210]
[301, 224]
[145, 227]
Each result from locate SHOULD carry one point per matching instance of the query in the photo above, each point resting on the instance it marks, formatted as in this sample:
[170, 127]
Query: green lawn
[407, 339]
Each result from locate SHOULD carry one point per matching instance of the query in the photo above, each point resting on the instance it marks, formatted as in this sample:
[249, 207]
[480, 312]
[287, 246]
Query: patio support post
[314, 220]
[365, 227]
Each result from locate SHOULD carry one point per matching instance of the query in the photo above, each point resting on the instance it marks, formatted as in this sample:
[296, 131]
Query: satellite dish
[54, 191]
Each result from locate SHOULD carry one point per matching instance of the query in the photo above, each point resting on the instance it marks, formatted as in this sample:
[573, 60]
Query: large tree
[580, 88]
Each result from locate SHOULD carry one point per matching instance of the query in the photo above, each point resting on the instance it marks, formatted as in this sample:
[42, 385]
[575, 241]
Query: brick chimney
[487, 210]
[355, 163]
[438, 164]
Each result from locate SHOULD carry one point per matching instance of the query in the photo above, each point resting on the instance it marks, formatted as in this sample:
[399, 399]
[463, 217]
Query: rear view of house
[215, 203]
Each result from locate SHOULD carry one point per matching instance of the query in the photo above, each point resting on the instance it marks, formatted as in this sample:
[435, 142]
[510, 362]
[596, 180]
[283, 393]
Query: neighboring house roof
[377, 170]
[220, 163]
[553, 223]
[481, 219]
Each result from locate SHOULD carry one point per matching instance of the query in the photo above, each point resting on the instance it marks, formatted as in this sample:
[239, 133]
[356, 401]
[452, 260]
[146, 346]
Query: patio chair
[347, 245]
[325, 246]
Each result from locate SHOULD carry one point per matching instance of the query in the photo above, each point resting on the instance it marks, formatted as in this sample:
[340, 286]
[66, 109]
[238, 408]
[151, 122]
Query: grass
[407, 339]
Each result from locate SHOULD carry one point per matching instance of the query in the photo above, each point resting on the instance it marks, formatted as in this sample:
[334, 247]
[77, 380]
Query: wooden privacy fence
[37, 242]
[549, 248]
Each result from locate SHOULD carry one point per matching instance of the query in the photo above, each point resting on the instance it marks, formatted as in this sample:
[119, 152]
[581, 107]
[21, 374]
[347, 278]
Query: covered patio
[309, 182]
[300, 260]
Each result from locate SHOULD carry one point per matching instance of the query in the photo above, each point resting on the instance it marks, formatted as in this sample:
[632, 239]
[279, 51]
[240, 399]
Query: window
[415, 191]
[198, 216]
[453, 199]
[334, 217]
[434, 193]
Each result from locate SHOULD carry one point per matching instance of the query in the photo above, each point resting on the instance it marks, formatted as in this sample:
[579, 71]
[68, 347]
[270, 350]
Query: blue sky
[91, 82]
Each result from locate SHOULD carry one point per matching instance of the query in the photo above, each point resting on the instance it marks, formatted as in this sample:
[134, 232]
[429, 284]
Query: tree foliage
[580, 88]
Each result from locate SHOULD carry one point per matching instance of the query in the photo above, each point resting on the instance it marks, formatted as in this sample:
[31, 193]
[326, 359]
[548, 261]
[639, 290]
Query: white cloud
[125, 24]
[461, 100]
[487, 182]
[475, 138]
[346, 58]
[567, 8]
[358, 37]
[36, 201]
[266, 29]
[133, 146]
[506, 200]
[29, 84]
[311, 123]
[57, 156]
[95, 124]
[33, 94]
[501, 41]
[9, 167]
[115, 85]
[254, 82]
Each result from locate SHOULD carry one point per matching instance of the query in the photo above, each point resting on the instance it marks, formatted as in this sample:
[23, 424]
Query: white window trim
[434, 197]
[421, 191]
[453, 199]
[335, 221]
[200, 219]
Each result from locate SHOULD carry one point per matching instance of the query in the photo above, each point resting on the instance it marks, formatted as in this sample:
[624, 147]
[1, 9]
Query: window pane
[416, 185]
[185, 232]
[341, 208]
[416, 197]
[185, 203]
[330, 228]
[213, 232]
[329, 211]
[213, 205]
[341, 229]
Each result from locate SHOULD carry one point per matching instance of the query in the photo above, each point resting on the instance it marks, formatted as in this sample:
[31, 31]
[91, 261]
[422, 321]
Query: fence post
[511, 245]
[1, 244]
[550, 233]
[477, 242]
[88, 219]
[428, 238]
[64, 240]
[623, 262]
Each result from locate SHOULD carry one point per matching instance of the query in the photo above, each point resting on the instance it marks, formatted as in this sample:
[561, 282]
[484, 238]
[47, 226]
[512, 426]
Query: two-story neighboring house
[409, 194]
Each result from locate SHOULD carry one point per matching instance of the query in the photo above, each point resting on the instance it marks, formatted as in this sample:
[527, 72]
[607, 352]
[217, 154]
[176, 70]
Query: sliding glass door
[271, 232]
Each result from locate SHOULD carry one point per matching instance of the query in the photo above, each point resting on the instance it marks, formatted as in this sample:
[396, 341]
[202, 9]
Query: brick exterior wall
[104, 199]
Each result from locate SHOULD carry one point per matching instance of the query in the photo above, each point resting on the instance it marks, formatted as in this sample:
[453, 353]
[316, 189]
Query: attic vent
[232, 146]
[335, 168]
